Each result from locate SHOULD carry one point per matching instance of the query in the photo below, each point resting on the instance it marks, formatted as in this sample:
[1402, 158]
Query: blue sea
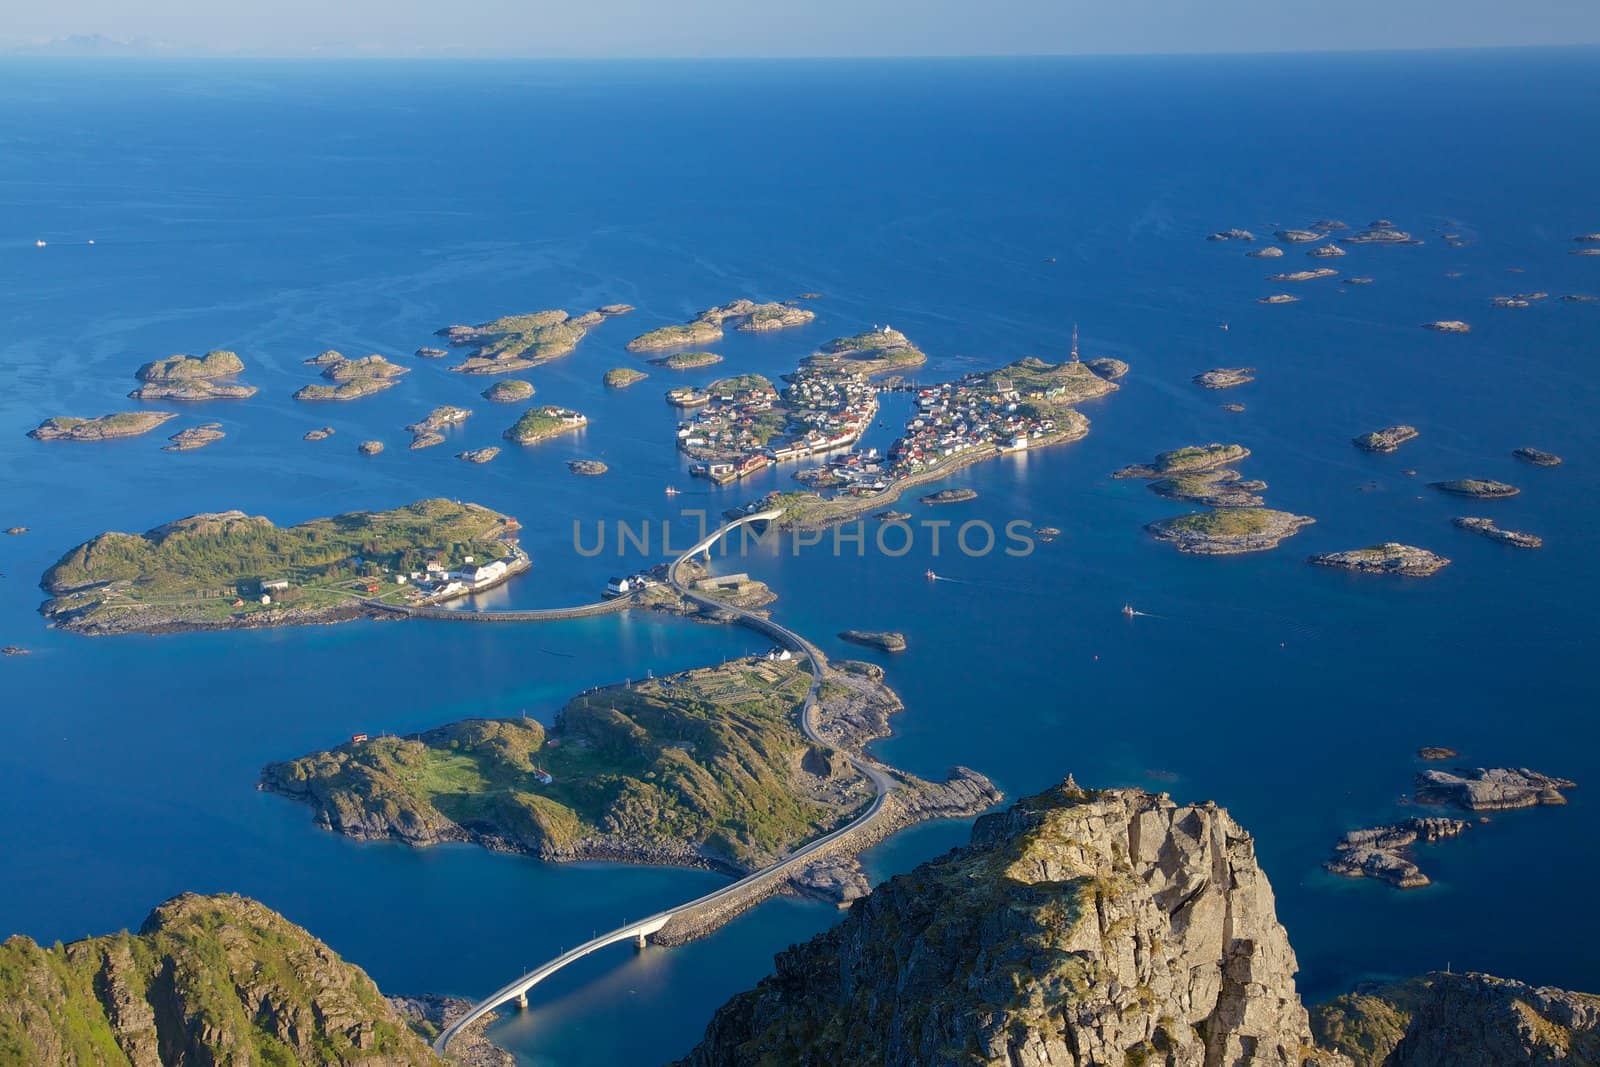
[983, 207]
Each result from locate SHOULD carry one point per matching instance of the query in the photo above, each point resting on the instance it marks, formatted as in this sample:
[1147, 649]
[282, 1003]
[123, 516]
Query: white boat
[38, 244]
[932, 577]
[672, 490]
[1127, 609]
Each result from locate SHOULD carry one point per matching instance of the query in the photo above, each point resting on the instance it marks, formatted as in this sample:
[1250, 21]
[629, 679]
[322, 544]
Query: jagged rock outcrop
[207, 980]
[1077, 928]
[1461, 1020]
[1491, 788]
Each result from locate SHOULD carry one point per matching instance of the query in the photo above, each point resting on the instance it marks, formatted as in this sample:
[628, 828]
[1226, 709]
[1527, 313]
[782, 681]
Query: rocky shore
[1487, 528]
[1387, 558]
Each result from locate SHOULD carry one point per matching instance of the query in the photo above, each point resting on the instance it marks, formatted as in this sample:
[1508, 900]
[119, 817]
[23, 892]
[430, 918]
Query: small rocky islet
[588, 467]
[882, 640]
[1447, 326]
[1477, 488]
[509, 391]
[1385, 440]
[321, 433]
[1225, 377]
[184, 377]
[1389, 557]
[1491, 788]
[517, 342]
[1278, 298]
[370, 448]
[1218, 488]
[1304, 275]
[1228, 531]
[542, 423]
[686, 360]
[429, 430]
[1383, 852]
[1536, 457]
[350, 379]
[1487, 528]
[479, 455]
[195, 437]
[950, 496]
[1190, 459]
[749, 316]
[622, 377]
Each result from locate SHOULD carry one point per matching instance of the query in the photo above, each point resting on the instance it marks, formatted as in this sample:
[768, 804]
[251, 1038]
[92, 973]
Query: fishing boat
[672, 490]
[932, 577]
[1127, 609]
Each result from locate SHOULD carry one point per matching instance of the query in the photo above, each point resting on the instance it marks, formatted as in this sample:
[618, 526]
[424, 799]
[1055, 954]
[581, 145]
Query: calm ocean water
[282, 208]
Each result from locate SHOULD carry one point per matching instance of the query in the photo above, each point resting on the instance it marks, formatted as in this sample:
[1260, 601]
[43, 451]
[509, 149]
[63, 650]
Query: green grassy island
[228, 570]
[879, 351]
[351, 378]
[517, 342]
[540, 424]
[1228, 531]
[1050, 388]
[1191, 459]
[622, 377]
[706, 327]
[687, 360]
[101, 428]
[218, 363]
[703, 768]
[205, 980]
[509, 391]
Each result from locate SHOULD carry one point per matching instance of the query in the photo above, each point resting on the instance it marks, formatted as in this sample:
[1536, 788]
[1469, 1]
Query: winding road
[640, 931]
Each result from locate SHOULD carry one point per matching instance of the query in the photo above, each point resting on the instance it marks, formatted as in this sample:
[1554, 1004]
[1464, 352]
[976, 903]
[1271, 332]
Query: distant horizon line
[141, 50]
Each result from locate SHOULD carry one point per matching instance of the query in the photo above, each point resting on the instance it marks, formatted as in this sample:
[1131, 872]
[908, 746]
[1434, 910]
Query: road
[882, 783]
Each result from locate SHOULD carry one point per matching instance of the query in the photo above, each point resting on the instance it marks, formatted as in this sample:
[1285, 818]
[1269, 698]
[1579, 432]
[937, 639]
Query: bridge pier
[639, 941]
[522, 1002]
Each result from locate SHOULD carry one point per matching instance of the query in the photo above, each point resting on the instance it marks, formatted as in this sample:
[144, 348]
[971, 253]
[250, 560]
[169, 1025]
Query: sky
[712, 28]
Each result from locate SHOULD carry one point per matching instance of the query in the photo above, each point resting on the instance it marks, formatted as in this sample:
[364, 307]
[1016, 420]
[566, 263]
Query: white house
[619, 587]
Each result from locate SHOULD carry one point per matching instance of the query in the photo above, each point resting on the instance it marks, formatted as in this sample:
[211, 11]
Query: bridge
[749, 889]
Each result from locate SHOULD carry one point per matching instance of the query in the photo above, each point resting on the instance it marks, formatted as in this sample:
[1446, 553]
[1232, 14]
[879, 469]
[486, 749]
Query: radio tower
[1074, 342]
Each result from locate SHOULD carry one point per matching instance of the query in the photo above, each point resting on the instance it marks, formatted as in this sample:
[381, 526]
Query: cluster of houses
[978, 410]
[819, 411]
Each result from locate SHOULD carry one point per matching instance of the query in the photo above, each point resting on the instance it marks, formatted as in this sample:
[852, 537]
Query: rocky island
[1296, 237]
[1436, 752]
[591, 468]
[1387, 558]
[370, 448]
[1537, 457]
[883, 350]
[351, 378]
[1381, 235]
[1225, 377]
[541, 424]
[321, 433]
[1328, 251]
[706, 327]
[687, 360]
[206, 980]
[478, 455]
[102, 428]
[509, 391]
[517, 342]
[228, 570]
[195, 437]
[1278, 298]
[622, 377]
[1385, 440]
[1228, 531]
[1266, 252]
[1217, 488]
[1447, 326]
[1487, 528]
[428, 431]
[1107, 367]
[950, 496]
[1191, 459]
[1490, 789]
[182, 377]
[882, 640]
[1477, 488]
[1384, 852]
[1234, 234]
[1304, 275]
[707, 768]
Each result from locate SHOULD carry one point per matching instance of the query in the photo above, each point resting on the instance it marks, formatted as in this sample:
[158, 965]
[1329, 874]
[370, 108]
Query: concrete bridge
[748, 890]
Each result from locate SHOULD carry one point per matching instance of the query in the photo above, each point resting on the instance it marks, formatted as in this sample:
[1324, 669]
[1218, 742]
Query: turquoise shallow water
[282, 208]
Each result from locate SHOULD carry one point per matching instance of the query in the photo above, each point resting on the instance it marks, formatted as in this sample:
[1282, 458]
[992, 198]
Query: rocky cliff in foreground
[1462, 1020]
[207, 980]
[1077, 928]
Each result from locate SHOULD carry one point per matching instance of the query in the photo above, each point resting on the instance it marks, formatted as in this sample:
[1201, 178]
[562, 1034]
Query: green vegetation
[206, 980]
[698, 332]
[872, 353]
[1191, 459]
[352, 378]
[687, 360]
[622, 377]
[516, 342]
[1048, 387]
[103, 428]
[351, 390]
[1225, 522]
[509, 391]
[188, 574]
[705, 762]
[538, 424]
[214, 364]
[741, 383]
